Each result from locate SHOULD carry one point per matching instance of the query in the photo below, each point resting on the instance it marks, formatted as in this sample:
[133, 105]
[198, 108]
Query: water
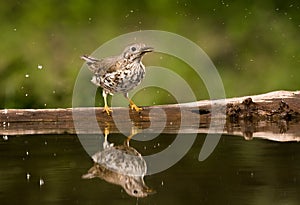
[47, 169]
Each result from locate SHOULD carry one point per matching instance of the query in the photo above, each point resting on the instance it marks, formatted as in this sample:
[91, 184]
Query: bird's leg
[106, 133]
[106, 143]
[132, 105]
[134, 131]
[106, 109]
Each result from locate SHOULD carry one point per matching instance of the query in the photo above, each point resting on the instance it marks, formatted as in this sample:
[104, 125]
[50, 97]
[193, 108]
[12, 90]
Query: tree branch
[265, 116]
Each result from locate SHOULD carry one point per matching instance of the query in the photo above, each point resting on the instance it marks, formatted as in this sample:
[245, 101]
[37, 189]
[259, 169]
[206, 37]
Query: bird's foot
[107, 109]
[135, 107]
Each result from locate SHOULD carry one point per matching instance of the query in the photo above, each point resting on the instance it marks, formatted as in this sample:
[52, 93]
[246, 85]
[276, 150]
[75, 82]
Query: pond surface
[47, 169]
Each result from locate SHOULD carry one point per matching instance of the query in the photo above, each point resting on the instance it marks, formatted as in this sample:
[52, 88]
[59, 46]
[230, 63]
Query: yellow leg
[134, 131]
[132, 104]
[106, 109]
[106, 132]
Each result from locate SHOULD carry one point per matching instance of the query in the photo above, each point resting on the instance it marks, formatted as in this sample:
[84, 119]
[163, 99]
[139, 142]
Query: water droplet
[45, 142]
[53, 91]
[40, 67]
[90, 19]
[27, 153]
[5, 137]
[162, 183]
[26, 94]
[45, 105]
[131, 11]
[41, 182]
[251, 60]
[28, 176]
[26, 75]
[15, 29]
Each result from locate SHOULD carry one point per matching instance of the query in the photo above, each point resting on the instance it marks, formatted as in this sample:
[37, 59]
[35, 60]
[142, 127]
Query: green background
[253, 44]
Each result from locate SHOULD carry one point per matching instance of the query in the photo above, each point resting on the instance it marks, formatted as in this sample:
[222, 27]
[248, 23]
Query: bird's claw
[107, 109]
[135, 107]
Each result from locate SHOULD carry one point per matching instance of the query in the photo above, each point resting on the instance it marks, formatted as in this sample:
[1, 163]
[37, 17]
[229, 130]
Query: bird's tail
[91, 62]
[89, 59]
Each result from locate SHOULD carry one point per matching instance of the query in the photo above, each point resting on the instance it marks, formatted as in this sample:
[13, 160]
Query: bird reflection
[121, 165]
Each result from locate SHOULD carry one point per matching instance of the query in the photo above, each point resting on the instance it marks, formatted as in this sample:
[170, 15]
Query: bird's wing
[101, 66]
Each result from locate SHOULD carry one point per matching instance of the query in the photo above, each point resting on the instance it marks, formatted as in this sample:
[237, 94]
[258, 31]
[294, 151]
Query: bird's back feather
[101, 66]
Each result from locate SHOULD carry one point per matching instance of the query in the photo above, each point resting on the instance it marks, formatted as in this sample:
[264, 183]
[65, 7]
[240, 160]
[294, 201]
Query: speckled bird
[119, 74]
[121, 165]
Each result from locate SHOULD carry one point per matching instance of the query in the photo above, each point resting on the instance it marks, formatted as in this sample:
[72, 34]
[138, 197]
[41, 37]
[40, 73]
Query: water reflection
[121, 165]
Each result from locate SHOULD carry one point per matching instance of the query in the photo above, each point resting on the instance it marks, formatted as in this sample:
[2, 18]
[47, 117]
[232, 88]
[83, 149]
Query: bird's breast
[122, 80]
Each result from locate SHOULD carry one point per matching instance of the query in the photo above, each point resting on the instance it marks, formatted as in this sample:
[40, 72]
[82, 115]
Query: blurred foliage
[254, 44]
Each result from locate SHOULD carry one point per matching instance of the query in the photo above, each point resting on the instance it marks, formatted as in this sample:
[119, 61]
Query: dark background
[253, 44]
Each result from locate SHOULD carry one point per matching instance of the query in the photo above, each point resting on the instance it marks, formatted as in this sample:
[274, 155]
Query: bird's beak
[147, 49]
[149, 191]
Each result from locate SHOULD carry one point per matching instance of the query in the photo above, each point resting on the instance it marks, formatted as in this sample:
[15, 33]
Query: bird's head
[136, 51]
[136, 187]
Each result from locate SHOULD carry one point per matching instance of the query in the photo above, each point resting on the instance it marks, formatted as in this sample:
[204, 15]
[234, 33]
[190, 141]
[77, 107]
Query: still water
[47, 169]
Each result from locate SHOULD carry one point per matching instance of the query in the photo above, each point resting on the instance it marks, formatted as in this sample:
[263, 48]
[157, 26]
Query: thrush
[121, 165]
[119, 74]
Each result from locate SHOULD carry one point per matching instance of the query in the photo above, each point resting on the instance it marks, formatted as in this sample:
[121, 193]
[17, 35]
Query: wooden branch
[273, 116]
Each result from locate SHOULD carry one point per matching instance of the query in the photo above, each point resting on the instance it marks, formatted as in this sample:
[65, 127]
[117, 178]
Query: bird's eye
[133, 48]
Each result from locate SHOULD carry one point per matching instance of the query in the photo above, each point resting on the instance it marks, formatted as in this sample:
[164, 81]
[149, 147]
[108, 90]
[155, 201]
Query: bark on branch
[273, 116]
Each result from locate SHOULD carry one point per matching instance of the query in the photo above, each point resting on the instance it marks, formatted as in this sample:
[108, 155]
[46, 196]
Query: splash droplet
[28, 176]
[42, 182]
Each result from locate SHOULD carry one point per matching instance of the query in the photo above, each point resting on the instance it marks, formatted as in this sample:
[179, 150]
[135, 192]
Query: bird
[121, 165]
[119, 74]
